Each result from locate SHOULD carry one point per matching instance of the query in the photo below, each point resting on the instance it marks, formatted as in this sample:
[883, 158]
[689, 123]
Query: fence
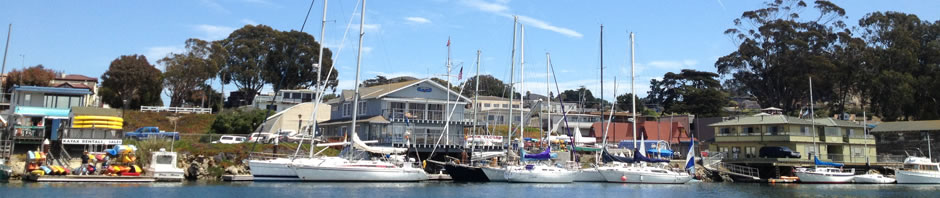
[195, 110]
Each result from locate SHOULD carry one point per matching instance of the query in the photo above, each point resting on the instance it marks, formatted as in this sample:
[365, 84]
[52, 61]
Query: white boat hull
[589, 175]
[873, 179]
[168, 176]
[637, 175]
[917, 177]
[829, 178]
[272, 170]
[495, 174]
[539, 174]
[335, 169]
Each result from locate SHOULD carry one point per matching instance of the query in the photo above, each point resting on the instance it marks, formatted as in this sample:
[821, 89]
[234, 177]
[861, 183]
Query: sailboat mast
[512, 74]
[633, 86]
[865, 133]
[603, 128]
[812, 118]
[355, 104]
[319, 86]
[447, 89]
[476, 96]
[521, 87]
[548, 94]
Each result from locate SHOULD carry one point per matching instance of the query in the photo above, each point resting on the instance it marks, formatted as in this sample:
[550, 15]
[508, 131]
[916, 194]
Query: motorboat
[827, 175]
[539, 173]
[873, 178]
[163, 166]
[918, 170]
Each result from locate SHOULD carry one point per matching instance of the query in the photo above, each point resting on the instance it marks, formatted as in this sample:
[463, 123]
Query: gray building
[413, 111]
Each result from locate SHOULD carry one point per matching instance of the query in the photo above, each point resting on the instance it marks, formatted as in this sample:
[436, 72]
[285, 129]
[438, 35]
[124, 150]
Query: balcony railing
[29, 132]
[766, 134]
[176, 109]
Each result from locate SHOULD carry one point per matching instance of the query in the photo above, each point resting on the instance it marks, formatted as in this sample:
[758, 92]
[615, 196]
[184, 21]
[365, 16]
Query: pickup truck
[151, 132]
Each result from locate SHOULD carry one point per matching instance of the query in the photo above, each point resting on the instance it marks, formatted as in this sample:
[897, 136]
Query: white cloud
[156, 53]
[418, 20]
[370, 27]
[499, 8]
[214, 32]
[249, 22]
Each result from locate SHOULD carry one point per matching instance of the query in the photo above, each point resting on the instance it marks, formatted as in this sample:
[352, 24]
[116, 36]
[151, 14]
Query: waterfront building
[495, 110]
[283, 99]
[741, 138]
[396, 114]
[79, 82]
[295, 118]
[898, 139]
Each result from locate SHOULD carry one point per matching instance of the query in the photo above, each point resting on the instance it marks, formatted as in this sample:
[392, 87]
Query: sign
[424, 89]
[93, 141]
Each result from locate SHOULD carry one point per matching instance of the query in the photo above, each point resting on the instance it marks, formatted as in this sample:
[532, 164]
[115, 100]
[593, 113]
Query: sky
[408, 38]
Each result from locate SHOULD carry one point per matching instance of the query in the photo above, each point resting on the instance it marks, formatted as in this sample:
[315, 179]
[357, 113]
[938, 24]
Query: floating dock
[89, 178]
[233, 178]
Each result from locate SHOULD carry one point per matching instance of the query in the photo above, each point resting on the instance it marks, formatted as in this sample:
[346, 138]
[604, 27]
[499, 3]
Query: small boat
[873, 178]
[5, 172]
[829, 175]
[538, 173]
[918, 170]
[163, 166]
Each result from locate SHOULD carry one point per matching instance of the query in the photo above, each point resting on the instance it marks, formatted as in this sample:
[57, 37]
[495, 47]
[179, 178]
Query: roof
[370, 119]
[57, 90]
[72, 85]
[767, 119]
[76, 77]
[908, 126]
[379, 91]
[493, 98]
[838, 123]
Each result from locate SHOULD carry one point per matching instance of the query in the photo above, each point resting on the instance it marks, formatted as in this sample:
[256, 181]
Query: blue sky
[409, 37]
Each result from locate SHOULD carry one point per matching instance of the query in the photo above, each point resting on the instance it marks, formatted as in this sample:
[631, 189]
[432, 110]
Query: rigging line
[307, 16]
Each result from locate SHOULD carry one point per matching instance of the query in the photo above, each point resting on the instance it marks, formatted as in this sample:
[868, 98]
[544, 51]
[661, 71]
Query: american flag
[460, 74]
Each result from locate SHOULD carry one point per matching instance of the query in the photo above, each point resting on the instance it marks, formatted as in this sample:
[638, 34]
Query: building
[840, 141]
[495, 110]
[295, 118]
[38, 113]
[674, 132]
[79, 82]
[284, 99]
[410, 112]
[897, 140]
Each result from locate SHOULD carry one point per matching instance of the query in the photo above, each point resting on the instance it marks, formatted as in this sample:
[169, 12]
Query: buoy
[623, 178]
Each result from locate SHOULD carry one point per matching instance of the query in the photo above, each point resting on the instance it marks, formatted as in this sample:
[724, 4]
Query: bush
[238, 121]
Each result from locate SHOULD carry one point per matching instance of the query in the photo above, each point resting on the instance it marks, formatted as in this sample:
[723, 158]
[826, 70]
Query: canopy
[823, 163]
[607, 158]
[544, 155]
[637, 156]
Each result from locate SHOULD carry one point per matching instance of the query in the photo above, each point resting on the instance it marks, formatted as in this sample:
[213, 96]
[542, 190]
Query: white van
[231, 139]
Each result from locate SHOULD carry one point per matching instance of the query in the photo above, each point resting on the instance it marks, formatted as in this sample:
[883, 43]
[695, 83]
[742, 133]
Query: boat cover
[544, 155]
[639, 157]
[823, 163]
[607, 158]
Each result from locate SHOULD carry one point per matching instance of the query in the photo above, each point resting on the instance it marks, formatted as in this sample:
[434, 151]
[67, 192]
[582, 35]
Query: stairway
[6, 149]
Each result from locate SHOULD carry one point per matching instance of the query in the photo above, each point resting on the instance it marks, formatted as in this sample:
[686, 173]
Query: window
[486, 104]
[490, 117]
[334, 108]
[26, 98]
[515, 106]
[165, 159]
[804, 130]
[725, 131]
[417, 110]
[750, 152]
[346, 109]
[362, 108]
[504, 105]
[435, 112]
[398, 109]
[773, 130]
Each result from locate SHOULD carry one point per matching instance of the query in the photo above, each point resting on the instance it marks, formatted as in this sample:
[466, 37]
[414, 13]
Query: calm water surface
[448, 189]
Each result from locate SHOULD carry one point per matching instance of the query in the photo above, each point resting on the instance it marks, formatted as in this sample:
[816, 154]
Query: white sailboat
[822, 174]
[639, 171]
[497, 173]
[392, 168]
[871, 177]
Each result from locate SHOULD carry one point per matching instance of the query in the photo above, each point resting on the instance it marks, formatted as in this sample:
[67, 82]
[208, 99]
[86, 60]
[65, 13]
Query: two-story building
[283, 99]
[741, 139]
[79, 82]
[410, 112]
[495, 110]
[37, 113]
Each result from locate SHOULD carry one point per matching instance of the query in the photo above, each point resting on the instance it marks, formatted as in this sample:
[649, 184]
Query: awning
[41, 111]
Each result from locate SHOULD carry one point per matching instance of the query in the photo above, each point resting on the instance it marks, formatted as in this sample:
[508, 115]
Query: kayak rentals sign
[93, 141]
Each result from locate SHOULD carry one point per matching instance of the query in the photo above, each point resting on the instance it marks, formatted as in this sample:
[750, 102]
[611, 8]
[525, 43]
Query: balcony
[766, 137]
[29, 132]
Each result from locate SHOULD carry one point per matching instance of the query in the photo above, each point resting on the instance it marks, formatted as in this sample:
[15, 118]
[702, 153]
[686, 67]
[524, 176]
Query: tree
[248, 50]
[188, 71]
[625, 104]
[779, 51]
[690, 91]
[238, 121]
[489, 86]
[290, 62]
[30, 76]
[378, 80]
[132, 78]
[584, 97]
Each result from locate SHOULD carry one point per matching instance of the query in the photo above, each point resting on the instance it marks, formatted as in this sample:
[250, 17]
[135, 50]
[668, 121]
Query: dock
[91, 178]
[235, 178]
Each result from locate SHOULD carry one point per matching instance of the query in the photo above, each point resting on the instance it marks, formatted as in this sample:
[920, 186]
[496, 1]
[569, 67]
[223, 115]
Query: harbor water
[449, 189]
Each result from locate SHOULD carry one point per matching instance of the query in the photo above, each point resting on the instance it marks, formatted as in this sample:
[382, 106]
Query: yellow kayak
[98, 126]
[98, 122]
[106, 118]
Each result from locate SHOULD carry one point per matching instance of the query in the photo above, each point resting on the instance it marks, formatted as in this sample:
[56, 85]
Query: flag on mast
[448, 41]
[460, 74]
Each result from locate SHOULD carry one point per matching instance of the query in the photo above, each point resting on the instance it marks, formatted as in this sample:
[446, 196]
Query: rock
[232, 170]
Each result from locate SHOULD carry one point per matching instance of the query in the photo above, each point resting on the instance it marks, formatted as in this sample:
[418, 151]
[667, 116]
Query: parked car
[143, 133]
[230, 139]
[778, 152]
[265, 138]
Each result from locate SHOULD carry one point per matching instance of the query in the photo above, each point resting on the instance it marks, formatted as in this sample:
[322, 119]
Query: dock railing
[195, 110]
[742, 170]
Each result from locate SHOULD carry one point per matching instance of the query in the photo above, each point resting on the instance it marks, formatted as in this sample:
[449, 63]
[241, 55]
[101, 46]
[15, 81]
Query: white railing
[195, 110]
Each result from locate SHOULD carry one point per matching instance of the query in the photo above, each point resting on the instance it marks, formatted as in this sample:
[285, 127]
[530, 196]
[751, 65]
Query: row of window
[488, 105]
[348, 108]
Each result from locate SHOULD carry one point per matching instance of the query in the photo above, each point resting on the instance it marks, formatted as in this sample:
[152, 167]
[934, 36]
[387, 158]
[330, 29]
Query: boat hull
[537, 176]
[823, 178]
[873, 179]
[495, 174]
[917, 177]
[619, 175]
[465, 173]
[589, 175]
[336, 173]
[272, 170]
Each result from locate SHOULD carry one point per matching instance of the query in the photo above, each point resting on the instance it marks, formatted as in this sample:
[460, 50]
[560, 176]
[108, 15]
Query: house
[38, 113]
[295, 118]
[79, 82]
[399, 114]
[840, 141]
[495, 110]
[284, 99]
[899, 139]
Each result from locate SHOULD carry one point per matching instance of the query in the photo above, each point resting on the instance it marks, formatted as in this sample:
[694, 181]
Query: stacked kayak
[89, 121]
[123, 159]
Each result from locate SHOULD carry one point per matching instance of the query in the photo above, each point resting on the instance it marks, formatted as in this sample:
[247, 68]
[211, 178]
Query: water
[449, 189]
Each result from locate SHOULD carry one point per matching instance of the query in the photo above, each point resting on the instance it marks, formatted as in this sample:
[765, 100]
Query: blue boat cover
[823, 163]
[662, 152]
[637, 156]
[607, 158]
[544, 155]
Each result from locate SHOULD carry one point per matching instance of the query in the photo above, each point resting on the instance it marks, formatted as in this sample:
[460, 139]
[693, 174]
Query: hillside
[186, 123]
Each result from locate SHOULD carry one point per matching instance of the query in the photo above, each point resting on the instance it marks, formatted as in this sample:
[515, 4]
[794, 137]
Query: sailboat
[467, 172]
[871, 177]
[638, 169]
[591, 174]
[497, 173]
[390, 167]
[827, 173]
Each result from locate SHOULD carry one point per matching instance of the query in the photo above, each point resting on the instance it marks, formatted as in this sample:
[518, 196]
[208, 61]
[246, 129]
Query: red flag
[460, 74]
[448, 42]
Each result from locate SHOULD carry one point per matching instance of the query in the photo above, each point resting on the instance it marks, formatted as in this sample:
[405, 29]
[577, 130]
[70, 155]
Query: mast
[355, 112]
[512, 74]
[548, 93]
[812, 119]
[521, 87]
[865, 133]
[7, 49]
[632, 86]
[603, 128]
[319, 86]
[476, 96]
[447, 88]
